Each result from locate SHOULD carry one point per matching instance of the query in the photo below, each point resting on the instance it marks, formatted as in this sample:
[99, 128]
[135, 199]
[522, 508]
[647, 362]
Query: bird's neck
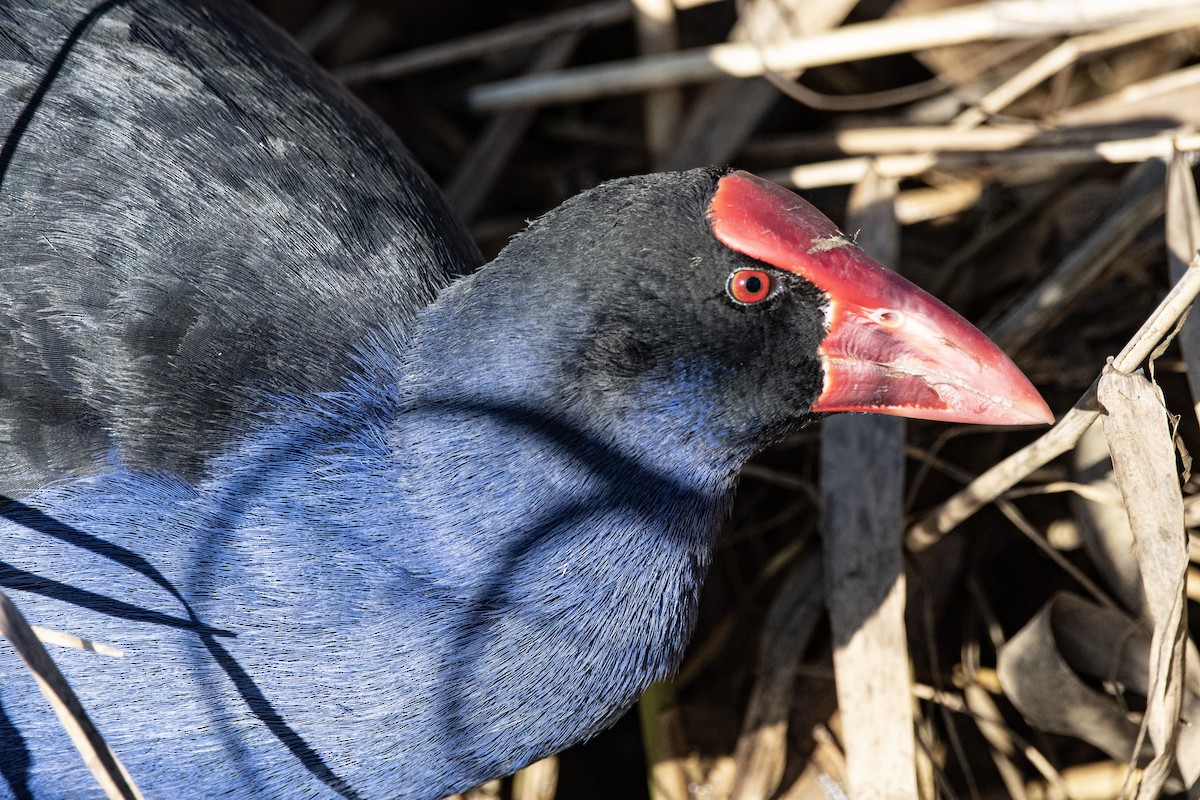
[516, 476]
[575, 546]
[576, 569]
[508, 456]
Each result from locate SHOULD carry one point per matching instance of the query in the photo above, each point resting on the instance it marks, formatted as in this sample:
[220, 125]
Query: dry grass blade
[102, 762]
[1143, 453]
[51, 636]
[1063, 436]
[1000, 19]
[862, 487]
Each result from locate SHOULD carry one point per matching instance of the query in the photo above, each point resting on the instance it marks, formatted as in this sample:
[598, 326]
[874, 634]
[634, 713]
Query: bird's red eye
[749, 285]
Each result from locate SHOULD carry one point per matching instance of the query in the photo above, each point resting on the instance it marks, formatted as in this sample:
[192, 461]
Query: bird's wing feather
[192, 218]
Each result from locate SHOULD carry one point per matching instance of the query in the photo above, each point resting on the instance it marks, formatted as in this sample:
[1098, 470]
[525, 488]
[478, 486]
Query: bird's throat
[575, 588]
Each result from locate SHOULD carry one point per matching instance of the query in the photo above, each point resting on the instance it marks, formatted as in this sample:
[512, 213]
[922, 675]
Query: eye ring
[749, 286]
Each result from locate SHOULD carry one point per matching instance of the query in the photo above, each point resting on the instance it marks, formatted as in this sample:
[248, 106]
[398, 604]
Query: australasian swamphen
[355, 541]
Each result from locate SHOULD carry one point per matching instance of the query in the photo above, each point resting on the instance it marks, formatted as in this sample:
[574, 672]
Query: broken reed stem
[1063, 436]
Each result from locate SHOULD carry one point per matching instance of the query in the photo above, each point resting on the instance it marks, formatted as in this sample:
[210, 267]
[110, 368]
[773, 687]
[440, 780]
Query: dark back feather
[189, 214]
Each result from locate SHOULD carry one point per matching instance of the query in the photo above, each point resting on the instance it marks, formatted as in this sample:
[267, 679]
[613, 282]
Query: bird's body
[352, 540]
[291, 627]
[399, 589]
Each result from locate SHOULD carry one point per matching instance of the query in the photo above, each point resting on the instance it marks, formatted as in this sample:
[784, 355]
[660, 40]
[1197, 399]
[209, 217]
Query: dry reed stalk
[843, 172]
[1000, 19]
[896, 139]
[654, 21]
[862, 486]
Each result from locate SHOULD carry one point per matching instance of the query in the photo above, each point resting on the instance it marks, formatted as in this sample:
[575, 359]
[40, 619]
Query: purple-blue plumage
[382, 592]
[363, 530]
[348, 549]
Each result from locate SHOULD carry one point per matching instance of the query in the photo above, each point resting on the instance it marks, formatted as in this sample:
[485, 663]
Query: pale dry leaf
[1140, 440]
[1047, 666]
[1104, 528]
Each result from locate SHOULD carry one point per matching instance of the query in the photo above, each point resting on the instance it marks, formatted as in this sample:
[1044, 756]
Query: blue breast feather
[371, 597]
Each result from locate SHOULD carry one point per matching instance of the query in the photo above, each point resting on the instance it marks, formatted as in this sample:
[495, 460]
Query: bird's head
[716, 310]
